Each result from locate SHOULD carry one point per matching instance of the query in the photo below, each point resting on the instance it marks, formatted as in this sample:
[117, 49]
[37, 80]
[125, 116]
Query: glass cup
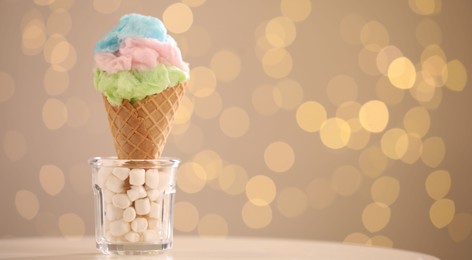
[133, 204]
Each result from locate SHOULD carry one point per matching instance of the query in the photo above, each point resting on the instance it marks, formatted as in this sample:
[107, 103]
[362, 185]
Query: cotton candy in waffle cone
[140, 130]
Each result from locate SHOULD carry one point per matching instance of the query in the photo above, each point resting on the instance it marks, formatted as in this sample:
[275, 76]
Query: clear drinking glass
[133, 204]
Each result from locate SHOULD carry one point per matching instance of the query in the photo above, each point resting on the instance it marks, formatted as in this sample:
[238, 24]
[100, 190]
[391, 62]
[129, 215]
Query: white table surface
[205, 248]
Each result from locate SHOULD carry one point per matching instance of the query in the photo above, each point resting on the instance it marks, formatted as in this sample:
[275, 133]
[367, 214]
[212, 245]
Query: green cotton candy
[134, 85]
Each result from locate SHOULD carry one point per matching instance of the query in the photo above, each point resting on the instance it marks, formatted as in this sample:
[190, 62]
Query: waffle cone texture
[140, 130]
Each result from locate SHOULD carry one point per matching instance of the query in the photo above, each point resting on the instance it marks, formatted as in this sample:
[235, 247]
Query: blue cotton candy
[135, 26]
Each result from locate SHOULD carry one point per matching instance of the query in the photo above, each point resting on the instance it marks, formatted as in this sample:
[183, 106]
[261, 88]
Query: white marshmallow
[114, 184]
[136, 192]
[137, 177]
[120, 172]
[152, 178]
[132, 236]
[129, 214]
[119, 228]
[142, 206]
[165, 179]
[154, 224]
[102, 176]
[150, 235]
[121, 201]
[139, 224]
[156, 210]
[113, 213]
[153, 194]
[107, 195]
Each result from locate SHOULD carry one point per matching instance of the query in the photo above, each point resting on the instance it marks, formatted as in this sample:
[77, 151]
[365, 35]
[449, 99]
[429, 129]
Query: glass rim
[114, 161]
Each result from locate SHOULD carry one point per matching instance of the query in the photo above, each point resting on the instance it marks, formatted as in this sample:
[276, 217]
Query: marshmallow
[153, 194]
[142, 206]
[132, 236]
[139, 224]
[152, 178]
[156, 210]
[154, 223]
[137, 177]
[121, 201]
[102, 176]
[114, 184]
[113, 213]
[150, 235]
[165, 179]
[136, 192]
[129, 214]
[119, 228]
[107, 195]
[121, 173]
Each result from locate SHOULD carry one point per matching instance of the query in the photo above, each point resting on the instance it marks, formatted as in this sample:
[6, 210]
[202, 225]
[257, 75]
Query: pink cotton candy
[141, 54]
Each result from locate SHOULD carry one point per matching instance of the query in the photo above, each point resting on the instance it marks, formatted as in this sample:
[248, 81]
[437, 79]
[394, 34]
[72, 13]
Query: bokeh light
[335, 133]
[417, 121]
[211, 163]
[425, 7]
[438, 184]
[226, 65]
[72, 226]
[433, 152]
[461, 227]
[394, 143]
[27, 204]
[457, 76]
[374, 116]
[14, 145]
[261, 190]
[385, 190]
[54, 114]
[256, 217]
[234, 122]
[402, 73]
[415, 148]
[310, 116]
[51, 179]
[279, 156]
[213, 225]
[280, 32]
[106, 6]
[376, 216]
[385, 57]
[277, 63]
[374, 36]
[297, 10]
[186, 216]
[33, 35]
[442, 212]
[178, 18]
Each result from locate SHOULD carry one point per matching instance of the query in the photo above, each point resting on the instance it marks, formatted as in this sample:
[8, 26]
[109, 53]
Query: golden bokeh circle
[106, 6]
[279, 156]
[54, 114]
[438, 184]
[192, 177]
[385, 190]
[385, 56]
[376, 216]
[178, 18]
[234, 122]
[226, 65]
[33, 35]
[51, 179]
[211, 163]
[434, 71]
[261, 190]
[457, 75]
[374, 36]
[394, 143]
[310, 116]
[186, 216]
[442, 212]
[461, 227]
[402, 73]
[233, 179]
[335, 133]
[72, 226]
[213, 225]
[374, 116]
[297, 10]
[382, 241]
[277, 63]
[417, 121]
[193, 3]
[433, 152]
[415, 149]
[14, 145]
[357, 238]
[280, 32]
[256, 217]
[27, 204]
[425, 7]
[185, 111]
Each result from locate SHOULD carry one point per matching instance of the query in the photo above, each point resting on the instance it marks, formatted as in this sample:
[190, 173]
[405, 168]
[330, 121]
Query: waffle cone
[140, 130]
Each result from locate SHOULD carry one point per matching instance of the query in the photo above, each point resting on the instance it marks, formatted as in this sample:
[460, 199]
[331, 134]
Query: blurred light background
[330, 120]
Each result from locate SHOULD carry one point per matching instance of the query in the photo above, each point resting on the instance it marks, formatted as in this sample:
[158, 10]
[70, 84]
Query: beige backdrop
[329, 120]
